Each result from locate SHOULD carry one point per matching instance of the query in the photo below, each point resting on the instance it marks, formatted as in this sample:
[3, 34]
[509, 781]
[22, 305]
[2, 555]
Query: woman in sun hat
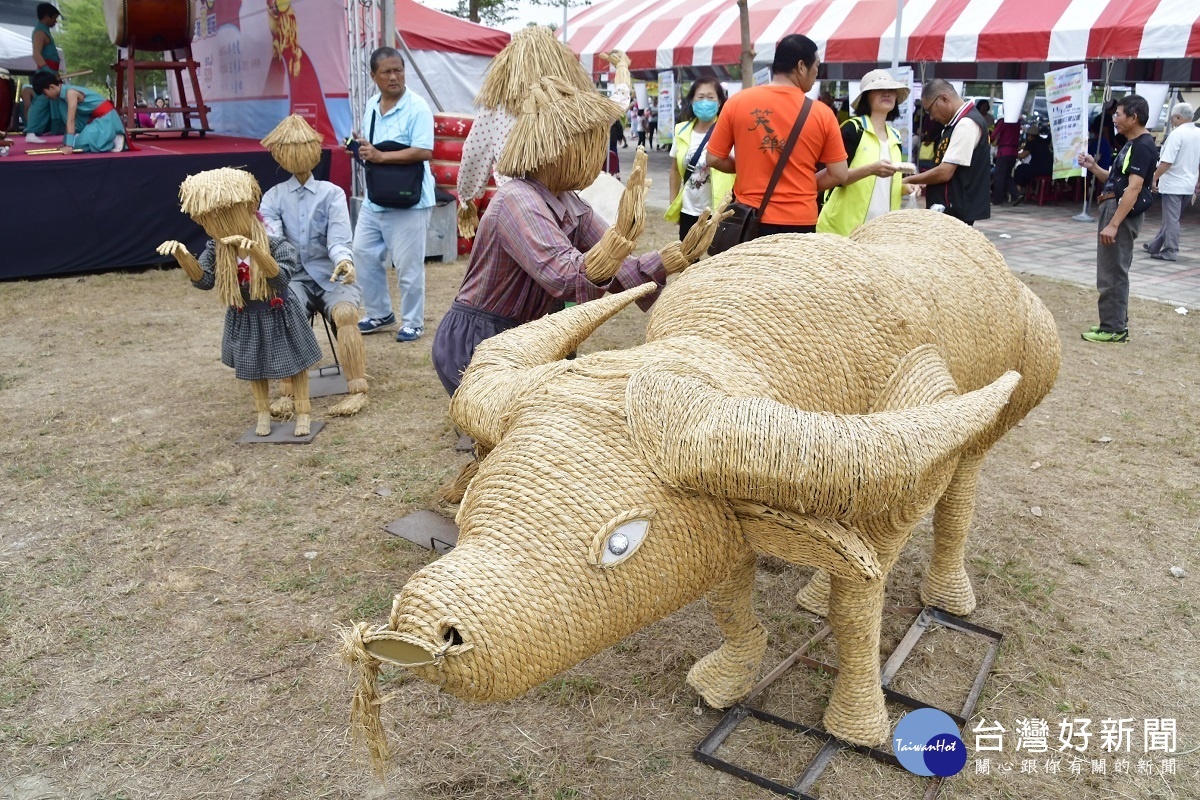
[873, 147]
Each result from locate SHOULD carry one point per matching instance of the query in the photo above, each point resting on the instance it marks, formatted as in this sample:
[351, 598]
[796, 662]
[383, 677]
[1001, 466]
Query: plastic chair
[1041, 189]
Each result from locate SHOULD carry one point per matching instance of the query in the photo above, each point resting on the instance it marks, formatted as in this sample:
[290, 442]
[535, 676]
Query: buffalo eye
[620, 538]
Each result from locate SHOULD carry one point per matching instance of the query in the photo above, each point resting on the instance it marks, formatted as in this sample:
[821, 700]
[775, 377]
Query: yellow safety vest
[846, 207]
[721, 182]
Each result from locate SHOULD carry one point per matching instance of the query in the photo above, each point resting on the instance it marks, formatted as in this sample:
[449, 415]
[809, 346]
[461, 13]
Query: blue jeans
[396, 235]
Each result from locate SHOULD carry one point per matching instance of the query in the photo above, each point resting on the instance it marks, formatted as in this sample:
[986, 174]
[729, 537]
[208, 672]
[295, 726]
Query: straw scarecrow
[532, 54]
[540, 244]
[810, 397]
[266, 335]
[315, 219]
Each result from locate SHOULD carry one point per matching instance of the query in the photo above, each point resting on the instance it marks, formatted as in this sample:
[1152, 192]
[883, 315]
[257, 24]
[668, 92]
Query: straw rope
[366, 725]
[453, 490]
[797, 395]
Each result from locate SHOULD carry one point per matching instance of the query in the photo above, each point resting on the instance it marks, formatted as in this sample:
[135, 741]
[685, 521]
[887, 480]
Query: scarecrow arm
[606, 257]
[179, 251]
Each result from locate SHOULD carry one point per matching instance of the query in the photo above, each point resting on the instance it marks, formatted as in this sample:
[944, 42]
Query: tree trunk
[747, 45]
[473, 10]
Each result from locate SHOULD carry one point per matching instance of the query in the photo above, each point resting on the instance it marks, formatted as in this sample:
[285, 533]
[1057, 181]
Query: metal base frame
[705, 752]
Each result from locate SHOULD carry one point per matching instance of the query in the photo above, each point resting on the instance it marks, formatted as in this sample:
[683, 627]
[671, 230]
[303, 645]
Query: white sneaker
[34, 138]
[119, 143]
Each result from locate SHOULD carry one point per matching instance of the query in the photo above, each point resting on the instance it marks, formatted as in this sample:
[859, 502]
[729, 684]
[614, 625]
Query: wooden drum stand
[163, 26]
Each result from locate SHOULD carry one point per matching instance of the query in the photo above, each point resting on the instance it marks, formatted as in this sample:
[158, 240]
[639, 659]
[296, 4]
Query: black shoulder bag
[393, 185]
[743, 225]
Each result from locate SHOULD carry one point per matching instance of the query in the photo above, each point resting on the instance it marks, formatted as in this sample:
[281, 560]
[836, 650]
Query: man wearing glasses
[961, 176]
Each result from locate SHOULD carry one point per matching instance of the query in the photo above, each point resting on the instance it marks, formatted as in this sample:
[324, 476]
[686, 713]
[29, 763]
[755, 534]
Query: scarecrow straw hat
[880, 79]
[217, 190]
[553, 116]
[294, 145]
[532, 54]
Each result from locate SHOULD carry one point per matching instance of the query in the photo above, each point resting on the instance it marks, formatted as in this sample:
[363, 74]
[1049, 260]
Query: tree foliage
[487, 12]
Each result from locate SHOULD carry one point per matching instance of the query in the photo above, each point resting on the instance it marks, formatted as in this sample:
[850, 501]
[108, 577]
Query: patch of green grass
[570, 690]
[29, 472]
[7, 381]
[299, 582]
[346, 476]
[566, 793]
[375, 604]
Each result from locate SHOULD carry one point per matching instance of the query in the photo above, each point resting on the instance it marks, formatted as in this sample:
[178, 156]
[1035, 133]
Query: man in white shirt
[1177, 180]
[961, 176]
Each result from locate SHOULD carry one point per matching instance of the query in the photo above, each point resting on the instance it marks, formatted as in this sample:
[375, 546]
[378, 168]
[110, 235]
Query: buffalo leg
[814, 596]
[727, 674]
[946, 585]
[856, 712]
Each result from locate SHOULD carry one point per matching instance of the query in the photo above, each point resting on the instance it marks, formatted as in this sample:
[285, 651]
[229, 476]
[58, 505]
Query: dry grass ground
[168, 597]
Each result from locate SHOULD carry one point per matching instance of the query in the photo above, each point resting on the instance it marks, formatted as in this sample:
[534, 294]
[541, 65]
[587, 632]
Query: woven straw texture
[294, 145]
[552, 118]
[532, 54]
[797, 395]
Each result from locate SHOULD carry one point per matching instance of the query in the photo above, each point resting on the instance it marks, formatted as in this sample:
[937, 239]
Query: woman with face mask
[694, 186]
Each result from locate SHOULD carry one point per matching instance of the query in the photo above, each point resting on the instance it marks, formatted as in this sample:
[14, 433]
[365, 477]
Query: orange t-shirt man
[754, 125]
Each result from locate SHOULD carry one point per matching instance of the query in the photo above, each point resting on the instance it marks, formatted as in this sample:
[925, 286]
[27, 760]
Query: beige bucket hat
[880, 79]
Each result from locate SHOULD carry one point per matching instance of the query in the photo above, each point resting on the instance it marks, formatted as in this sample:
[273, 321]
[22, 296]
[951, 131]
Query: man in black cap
[41, 116]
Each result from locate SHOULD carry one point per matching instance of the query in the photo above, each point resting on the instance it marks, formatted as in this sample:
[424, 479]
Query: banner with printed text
[1067, 92]
[666, 105]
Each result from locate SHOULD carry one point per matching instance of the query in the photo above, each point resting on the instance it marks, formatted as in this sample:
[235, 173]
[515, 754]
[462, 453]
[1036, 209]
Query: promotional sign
[1067, 92]
[762, 76]
[666, 103]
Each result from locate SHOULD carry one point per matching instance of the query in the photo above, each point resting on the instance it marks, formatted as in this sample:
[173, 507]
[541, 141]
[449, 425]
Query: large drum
[151, 24]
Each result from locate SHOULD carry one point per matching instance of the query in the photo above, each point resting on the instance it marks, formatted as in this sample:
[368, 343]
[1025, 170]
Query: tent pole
[389, 23]
[412, 62]
[896, 37]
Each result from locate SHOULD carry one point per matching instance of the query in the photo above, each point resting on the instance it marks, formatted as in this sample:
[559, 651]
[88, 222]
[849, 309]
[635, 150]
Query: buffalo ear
[827, 544]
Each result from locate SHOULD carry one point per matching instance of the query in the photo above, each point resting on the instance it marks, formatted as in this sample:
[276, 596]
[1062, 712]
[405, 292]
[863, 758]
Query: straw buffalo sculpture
[808, 397]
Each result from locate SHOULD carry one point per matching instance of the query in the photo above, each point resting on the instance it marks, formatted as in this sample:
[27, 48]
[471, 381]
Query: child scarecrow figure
[266, 334]
[315, 219]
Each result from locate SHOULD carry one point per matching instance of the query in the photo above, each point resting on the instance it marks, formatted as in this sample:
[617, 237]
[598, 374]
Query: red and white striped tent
[660, 34]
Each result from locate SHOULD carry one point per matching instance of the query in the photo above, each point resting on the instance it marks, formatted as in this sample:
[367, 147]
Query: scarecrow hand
[617, 58]
[677, 256]
[344, 269]
[631, 211]
[468, 220]
[244, 246]
[180, 253]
